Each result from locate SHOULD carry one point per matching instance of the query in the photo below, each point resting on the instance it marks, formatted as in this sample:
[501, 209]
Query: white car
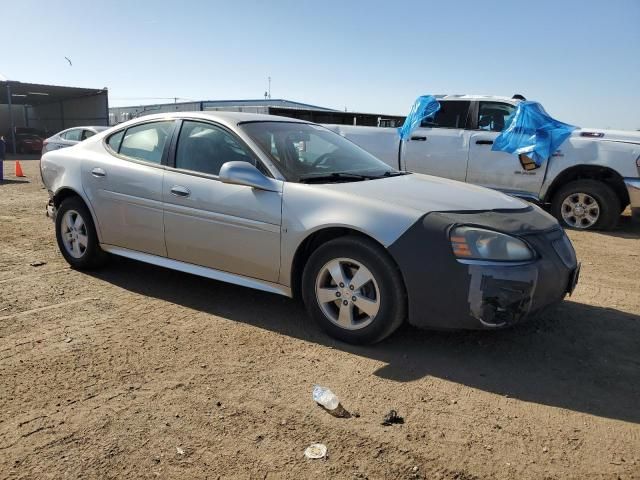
[587, 183]
[69, 138]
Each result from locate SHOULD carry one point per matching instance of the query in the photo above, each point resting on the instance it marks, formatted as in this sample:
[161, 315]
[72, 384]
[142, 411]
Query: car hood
[425, 193]
[609, 135]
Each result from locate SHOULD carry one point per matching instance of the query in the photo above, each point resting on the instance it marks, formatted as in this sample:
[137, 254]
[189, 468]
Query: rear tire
[77, 237]
[354, 290]
[586, 205]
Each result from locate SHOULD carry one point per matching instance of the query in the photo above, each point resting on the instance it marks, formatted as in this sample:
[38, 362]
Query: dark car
[28, 140]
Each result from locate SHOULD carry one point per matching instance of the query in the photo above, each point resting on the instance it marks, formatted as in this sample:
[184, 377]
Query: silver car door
[124, 186]
[499, 170]
[227, 227]
[440, 146]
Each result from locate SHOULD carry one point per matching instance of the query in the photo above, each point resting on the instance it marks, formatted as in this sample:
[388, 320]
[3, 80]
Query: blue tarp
[424, 107]
[529, 130]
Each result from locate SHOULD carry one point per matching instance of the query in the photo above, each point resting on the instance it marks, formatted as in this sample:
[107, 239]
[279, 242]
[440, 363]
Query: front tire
[354, 291]
[77, 237]
[586, 205]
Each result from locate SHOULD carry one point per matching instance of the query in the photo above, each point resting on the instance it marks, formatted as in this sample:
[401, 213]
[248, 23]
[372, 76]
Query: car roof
[97, 128]
[223, 117]
[478, 97]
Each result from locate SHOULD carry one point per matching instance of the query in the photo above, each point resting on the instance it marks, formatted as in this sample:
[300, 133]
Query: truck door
[440, 146]
[499, 170]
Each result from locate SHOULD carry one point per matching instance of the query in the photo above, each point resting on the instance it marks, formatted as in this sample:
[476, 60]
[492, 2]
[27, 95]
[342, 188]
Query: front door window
[492, 116]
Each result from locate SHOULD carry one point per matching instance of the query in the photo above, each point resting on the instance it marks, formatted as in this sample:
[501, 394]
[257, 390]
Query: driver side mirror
[243, 173]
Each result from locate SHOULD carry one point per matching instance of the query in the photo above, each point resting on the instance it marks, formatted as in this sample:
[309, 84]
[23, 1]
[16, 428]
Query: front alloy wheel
[580, 210]
[353, 289]
[347, 293]
[586, 204]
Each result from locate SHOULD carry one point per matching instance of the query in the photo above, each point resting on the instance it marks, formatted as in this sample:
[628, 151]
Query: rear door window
[146, 142]
[492, 116]
[452, 114]
[73, 135]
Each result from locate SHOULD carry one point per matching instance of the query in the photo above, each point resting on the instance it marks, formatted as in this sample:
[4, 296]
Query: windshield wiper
[334, 177]
[346, 176]
[394, 173]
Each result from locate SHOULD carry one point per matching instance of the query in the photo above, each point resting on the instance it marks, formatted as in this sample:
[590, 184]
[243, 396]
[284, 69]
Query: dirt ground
[139, 372]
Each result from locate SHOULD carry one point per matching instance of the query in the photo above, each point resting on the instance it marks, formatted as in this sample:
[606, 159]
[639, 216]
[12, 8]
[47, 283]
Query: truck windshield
[305, 152]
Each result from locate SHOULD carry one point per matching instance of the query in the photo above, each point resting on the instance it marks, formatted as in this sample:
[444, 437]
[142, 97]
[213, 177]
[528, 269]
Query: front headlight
[473, 243]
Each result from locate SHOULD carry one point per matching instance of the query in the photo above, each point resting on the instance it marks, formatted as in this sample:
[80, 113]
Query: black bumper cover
[444, 293]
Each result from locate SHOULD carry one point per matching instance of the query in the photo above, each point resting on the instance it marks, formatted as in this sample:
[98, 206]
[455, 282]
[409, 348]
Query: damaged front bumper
[447, 293]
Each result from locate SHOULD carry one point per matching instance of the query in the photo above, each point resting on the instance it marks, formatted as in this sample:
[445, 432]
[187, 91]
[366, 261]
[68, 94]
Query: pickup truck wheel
[76, 235]
[355, 292]
[586, 205]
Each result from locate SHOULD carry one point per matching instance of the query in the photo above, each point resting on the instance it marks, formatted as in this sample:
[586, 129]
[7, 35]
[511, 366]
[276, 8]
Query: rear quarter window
[114, 141]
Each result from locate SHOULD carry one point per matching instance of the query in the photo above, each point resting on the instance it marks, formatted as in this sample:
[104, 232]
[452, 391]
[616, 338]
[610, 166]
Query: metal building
[281, 107]
[49, 108]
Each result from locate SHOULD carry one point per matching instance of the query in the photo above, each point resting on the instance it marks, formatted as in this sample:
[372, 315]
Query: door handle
[484, 142]
[98, 172]
[179, 191]
[419, 138]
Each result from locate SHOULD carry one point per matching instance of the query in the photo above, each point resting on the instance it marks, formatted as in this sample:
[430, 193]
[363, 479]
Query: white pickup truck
[587, 183]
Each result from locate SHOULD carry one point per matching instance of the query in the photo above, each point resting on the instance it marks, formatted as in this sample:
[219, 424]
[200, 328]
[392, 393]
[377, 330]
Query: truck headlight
[473, 243]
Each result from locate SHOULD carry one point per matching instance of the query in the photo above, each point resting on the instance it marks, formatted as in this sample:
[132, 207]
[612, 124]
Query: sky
[580, 59]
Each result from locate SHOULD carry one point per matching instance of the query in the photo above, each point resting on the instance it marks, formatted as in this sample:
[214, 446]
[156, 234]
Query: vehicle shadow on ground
[575, 356]
[627, 227]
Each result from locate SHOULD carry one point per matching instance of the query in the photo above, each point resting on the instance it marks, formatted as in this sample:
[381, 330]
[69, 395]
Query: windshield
[304, 151]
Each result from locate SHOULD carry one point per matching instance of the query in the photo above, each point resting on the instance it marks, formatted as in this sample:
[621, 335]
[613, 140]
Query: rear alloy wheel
[586, 205]
[354, 290]
[76, 235]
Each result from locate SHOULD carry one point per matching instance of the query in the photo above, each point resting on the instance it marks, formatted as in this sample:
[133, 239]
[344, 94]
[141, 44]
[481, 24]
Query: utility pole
[269, 78]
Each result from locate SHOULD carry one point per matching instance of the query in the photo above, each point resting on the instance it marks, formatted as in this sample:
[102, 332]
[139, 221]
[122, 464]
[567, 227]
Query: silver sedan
[69, 137]
[291, 208]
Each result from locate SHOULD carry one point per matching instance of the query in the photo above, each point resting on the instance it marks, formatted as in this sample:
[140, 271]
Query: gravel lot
[139, 372]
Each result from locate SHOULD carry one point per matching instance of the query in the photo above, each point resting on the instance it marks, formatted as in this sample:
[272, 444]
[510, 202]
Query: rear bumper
[633, 188]
[446, 293]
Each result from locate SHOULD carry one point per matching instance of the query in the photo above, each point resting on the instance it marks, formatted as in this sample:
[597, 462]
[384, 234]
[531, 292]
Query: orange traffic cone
[19, 170]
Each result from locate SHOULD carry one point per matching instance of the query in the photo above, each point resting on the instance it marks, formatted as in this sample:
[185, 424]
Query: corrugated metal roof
[271, 102]
[36, 94]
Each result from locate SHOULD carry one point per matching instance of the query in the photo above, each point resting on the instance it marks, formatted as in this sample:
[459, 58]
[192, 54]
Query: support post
[13, 127]
[61, 115]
